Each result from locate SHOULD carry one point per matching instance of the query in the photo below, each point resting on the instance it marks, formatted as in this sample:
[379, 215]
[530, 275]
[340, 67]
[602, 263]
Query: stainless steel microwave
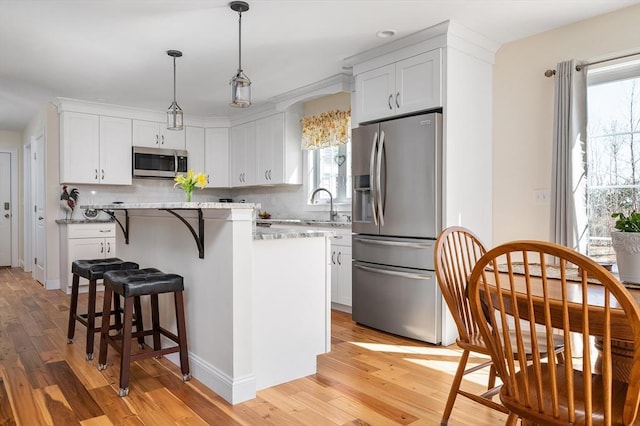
[158, 162]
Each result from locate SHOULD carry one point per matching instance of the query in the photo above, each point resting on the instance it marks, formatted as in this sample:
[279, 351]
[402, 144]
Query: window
[613, 151]
[330, 168]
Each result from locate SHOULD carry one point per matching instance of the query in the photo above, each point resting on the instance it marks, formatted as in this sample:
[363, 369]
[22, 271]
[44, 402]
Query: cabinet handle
[269, 174]
[162, 139]
[207, 179]
[105, 230]
[157, 140]
[266, 175]
[389, 102]
[340, 258]
[96, 170]
[333, 260]
[108, 247]
[397, 97]
[102, 170]
[101, 247]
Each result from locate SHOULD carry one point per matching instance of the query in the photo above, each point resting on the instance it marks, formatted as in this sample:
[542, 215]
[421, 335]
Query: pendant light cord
[174, 79]
[240, 41]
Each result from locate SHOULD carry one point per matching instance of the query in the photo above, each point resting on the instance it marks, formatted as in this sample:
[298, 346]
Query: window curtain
[569, 165]
[331, 128]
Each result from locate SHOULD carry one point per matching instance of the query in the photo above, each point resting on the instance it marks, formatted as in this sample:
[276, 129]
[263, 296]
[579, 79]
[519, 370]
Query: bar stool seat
[132, 284]
[93, 270]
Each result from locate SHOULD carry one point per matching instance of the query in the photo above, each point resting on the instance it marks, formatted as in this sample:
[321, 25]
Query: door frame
[27, 263]
[14, 185]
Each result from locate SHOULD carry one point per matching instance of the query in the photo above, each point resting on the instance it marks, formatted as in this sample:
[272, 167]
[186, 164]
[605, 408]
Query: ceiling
[113, 51]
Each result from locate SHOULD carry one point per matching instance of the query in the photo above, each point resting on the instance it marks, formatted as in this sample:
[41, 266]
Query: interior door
[5, 209]
[39, 225]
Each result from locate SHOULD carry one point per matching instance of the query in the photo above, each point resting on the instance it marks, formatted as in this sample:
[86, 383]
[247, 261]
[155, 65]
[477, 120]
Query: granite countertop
[73, 221]
[305, 222]
[261, 233]
[173, 205]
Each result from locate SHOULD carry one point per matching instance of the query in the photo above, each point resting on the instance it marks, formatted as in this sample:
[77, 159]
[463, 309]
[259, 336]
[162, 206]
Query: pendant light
[174, 113]
[240, 83]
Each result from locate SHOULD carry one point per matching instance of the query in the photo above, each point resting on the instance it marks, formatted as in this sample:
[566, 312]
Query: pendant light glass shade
[174, 113]
[240, 83]
[240, 90]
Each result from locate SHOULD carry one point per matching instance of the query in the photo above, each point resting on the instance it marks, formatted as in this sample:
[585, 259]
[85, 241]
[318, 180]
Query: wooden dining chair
[569, 293]
[456, 252]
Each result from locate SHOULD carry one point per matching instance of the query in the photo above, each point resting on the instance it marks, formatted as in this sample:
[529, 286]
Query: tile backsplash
[280, 201]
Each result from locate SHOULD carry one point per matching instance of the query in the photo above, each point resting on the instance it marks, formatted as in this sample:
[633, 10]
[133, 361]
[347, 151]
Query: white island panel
[292, 301]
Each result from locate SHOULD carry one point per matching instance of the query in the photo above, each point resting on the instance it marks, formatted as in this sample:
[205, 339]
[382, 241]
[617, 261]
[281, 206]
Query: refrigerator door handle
[371, 178]
[410, 275]
[393, 243]
[378, 183]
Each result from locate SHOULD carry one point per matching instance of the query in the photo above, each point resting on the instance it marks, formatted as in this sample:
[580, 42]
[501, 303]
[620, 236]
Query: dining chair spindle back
[553, 291]
[456, 252]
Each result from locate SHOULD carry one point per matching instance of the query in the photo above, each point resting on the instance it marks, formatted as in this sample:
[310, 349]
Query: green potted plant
[626, 243]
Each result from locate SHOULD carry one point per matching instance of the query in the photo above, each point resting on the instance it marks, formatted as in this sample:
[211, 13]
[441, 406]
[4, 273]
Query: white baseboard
[52, 284]
[233, 390]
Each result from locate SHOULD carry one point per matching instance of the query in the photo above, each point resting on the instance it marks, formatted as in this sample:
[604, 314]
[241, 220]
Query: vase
[188, 193]
[627, 248]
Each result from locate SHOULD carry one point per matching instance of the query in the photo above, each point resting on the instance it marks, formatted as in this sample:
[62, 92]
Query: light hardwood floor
[368, 378]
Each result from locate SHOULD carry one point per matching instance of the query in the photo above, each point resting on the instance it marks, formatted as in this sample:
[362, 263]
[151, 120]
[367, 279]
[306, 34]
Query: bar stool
[135, 283]
[94, 270]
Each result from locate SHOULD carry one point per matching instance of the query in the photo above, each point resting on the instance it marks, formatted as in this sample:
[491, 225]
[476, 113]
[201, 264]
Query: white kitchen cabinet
[194, 144]
[216, 153]
[95, 149]
[208, 151]
[402, 87]
[341, 270]
[84, 241]
[243, 154]
[156, 135]
[278, 153]
[115, 151]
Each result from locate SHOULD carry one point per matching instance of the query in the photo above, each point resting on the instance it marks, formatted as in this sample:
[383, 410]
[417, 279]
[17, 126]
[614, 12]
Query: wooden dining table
[621, 336]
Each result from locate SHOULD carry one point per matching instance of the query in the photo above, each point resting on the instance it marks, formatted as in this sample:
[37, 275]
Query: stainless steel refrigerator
[396, 170]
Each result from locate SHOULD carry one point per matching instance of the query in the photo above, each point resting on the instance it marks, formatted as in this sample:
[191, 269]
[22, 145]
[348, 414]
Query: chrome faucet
[333, 215]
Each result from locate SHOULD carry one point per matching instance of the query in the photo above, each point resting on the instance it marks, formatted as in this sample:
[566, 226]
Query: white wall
[523, 113]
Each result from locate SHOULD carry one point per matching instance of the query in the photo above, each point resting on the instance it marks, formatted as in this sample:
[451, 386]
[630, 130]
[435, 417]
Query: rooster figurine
[68, 201]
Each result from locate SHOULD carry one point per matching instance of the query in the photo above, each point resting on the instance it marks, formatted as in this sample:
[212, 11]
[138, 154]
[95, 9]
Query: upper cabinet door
[375, 91]
[115, 151]
[195, 148]
[418, 83]
[403, 87]
[243, 143]
[79, 148]
[171, 139]
[146, 133]
[216, 152]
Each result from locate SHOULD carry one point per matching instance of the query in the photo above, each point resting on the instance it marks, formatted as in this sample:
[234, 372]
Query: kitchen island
[257, 300]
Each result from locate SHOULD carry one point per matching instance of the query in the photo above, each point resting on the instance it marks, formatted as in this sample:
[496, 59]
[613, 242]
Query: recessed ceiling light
[386, 33]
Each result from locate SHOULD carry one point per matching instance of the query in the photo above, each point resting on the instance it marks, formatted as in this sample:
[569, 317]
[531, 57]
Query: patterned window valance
[327, 129]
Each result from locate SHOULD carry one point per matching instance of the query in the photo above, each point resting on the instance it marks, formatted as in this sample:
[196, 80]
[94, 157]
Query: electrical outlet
[541, 196]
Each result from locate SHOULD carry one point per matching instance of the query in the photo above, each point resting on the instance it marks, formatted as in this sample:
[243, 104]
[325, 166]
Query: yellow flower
[191, 180]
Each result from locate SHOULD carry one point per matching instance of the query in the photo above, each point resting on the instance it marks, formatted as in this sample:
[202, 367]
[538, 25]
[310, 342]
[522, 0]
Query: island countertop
[172, 205]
